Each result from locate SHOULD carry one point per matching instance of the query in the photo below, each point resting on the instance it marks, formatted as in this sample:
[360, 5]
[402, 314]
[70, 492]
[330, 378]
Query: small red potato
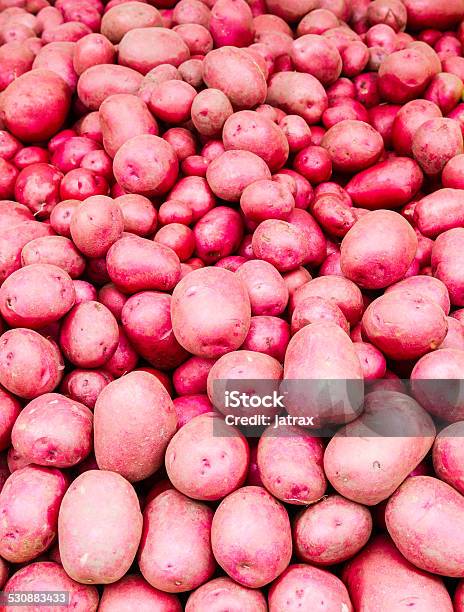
[190, 377]
[352, 145]
[234, 72]
[198, 39]
[85, 386]
[230, 173]
[268, 335]
[290, 465]
[146, 319]
[36, 295]
[122, 18]
[404, 325]
[226, 326]
[266, 199]
[231, 23]
[95, 225]
[433, 14]
[143, 49]
[223, 593]
[378, 250]
[282, 244]
[441, 524]
[380, 577]
[426, 286]
[9, 411]
[256, 550]
[318, 56]
[439, 211]
[85, 292]
[316, 309]
[134, 421]
[435, 143]
[207, 459]
[100, 502]
[447, 456]
[446, 263]
[92, 50]
[317, 353]
[404, 75]
[35, 105]
[408, 120]
[134, 589]
[452, 173]
[209, 111]
[397, 434]
[171, 101]
[29, 504]
[217, 234]
[146, 164]
[53, 430]
[195, 192]
[298, 93]
[99, 82]
[89, 335]
[139, 214]
[55, 250]
[307, 587]
[317, 542]
[176, 532]
[30, 365]
[38, 187]
[266, 288]
[190, 406]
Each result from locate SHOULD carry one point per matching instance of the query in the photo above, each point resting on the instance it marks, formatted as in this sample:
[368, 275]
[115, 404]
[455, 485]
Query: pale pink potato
[95, 225]
[207, 459]
[230, 173]
[266, 288]
[53, 430]
[92, 50]
[258, 548]
[175, 551]
[122, 18]
[139, 214]
[297, 93]
[10, 409]
[56, 250]
[448, 457]
[427, 286]
[99, 82]
[85, 386]
[132, 590]
[103, 503]
[352, 145]
[210, 110]
[223, 592]
[134, 420]
[29, 504]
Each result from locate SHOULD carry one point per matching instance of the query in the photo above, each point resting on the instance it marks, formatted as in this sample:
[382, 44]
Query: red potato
[143, 49]
[440, 399]
[122, 18]
[290, 465]
[190, 406]
[68, 154]
[439, 211]
[194, 192]
[209, 111]
[146, 319]
[404, 325]
[81, 183]
[44, 576]
[146, 164]
[298, 94]
[408, 120]
[268, 335]
[231, 23]
[139, 214]
[179, 238]
[315, 309]
[388, 184]
[92, 50]
[207, 459]
[134, 589]
[311, 587]
[123, 116]
[58, 58]
[157, 75]
[55, 250]
[281, 244]
[397, 444]
[71, 31]
[266, 288]
[96, 224]
[10, 409]
[258, 549]
[53, 431]
[445, 90]
[440, 522]
[455, 335]
[12, 214]
[318, 56]
[436, 142]
[432, 14]
[36, 295]
[85, 386]
[382, 578]
[446, 264]
[237, 75]
[38, 187]
[176, 531]
[137, 264]
[372, 361]
[106, 502]
[304, 387]
[452, 172]
[352, 145]
[25, 351]
[364, 258]
[35, 105]
[171, 101]
[266, 199]
[230, 173]
[223, 592]
[297, 132]
[317, 21]
[447, 456]
[15, 59]
[103, 80]
[28, 529]
[60, 216]
[404, 75]
[217, 234]
[182, 141]
[426, 286]
[317, 542]
[124, 359]
[89, 335]
[197, 38]
[190, 377]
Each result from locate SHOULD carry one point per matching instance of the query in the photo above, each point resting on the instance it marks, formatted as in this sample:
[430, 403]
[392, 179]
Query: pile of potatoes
[205, 195]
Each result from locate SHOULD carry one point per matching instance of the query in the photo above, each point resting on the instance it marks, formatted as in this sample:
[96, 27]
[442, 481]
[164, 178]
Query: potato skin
[435, 542]
[439, 211]
[404, 325]
[122, 18]
[229, 316]
[352, 145]
[56, 250]
[223, 593]
[207, 459]
[53, 430]
[177, 532]
[234, 72]
[447, 455]
[134, 421]
[105, 503]
[322, 352]
[36, 295]
[257, 549]
[29, 504]
[447, 265]
[433, 14]
[99, 82]
[427, 286]
[380, 578]
[316, 541]
[297, 93]
[49, 576]
[96, 224]
[134, 589]
[309, 587]
[392, 447]
[229, 174]
[378, 250]
[9, 411]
